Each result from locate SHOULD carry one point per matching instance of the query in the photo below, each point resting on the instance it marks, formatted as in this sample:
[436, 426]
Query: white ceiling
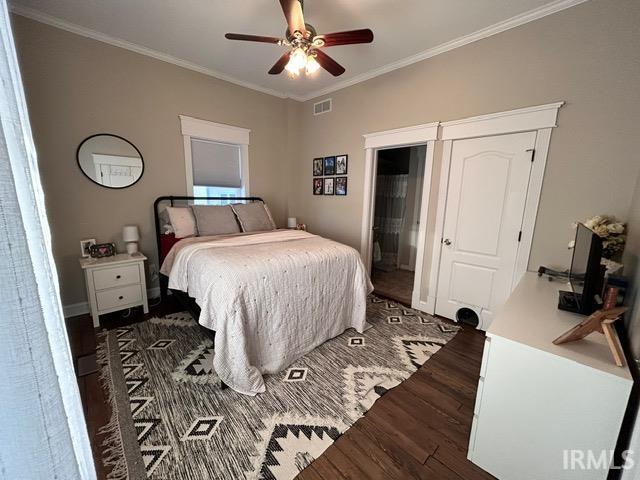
[191, 32]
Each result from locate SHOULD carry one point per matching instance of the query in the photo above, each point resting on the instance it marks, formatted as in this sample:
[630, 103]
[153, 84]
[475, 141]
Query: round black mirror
[110, 161]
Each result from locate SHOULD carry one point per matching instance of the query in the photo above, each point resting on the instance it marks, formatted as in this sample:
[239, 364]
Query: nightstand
[115, 283]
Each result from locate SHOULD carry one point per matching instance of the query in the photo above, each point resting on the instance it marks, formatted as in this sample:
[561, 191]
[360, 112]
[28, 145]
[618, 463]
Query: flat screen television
[586, 274]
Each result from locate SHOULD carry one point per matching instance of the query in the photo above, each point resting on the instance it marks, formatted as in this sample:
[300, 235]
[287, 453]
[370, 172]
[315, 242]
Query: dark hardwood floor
[82, 338]
[419, 429]
[397, 284]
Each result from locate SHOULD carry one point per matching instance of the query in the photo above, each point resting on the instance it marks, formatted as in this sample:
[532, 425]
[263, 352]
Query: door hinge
[520, 235]
[533, 152]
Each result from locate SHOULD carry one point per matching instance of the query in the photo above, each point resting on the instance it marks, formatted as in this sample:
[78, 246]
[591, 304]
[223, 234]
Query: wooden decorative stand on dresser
[115, 283]
[545, 411]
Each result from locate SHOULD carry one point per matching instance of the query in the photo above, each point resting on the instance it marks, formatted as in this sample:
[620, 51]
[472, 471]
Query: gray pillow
[254, 216]
[215, 220]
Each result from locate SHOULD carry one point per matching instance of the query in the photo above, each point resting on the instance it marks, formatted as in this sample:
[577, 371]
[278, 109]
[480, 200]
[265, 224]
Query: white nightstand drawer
[108, 299]
[116, 276]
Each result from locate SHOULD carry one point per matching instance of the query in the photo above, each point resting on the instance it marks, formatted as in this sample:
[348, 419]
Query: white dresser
[115, 283]
[537, 402]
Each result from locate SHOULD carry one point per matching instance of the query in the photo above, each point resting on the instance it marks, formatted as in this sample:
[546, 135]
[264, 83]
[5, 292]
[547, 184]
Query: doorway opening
[396, 220]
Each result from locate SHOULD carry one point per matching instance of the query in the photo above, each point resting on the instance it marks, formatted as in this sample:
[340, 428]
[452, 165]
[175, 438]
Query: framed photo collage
[330, 175]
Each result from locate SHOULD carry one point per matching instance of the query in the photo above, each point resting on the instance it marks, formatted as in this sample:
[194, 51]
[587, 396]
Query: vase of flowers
[611, 231]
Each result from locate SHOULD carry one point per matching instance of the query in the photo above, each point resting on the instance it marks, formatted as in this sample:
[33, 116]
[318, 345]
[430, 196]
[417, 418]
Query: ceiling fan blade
[329, 64]
[280, 64]
[347, 38]
[252, 38]
[293, 13]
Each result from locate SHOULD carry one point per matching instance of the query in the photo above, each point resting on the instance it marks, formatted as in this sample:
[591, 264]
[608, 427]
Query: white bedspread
[271, 298]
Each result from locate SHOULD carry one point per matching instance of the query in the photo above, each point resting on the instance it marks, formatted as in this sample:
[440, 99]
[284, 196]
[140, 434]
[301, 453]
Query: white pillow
[182, 221]
[165, 223]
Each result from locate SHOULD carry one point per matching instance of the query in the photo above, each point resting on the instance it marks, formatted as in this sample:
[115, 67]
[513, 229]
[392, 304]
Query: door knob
[447, 242]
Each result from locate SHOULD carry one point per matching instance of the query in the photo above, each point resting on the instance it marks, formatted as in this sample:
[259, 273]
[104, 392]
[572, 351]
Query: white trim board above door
[399, 137]
[541, 120]
[512, 121]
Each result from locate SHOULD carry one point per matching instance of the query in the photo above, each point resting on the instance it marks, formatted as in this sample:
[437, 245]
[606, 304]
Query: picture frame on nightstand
[85, 247]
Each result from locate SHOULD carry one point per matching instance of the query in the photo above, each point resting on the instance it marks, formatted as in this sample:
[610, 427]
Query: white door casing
[485, 204]
[401, 137]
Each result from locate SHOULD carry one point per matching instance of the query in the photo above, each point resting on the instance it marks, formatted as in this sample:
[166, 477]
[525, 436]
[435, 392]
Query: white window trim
[215, 132]
[400, 137]
[541, 119]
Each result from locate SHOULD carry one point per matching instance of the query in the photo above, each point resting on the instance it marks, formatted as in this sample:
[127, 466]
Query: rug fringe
[112, 447]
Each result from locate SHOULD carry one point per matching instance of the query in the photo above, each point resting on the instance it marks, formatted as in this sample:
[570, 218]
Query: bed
[270, 296]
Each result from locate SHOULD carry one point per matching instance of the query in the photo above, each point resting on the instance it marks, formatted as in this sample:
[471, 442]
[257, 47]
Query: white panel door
[488, 182]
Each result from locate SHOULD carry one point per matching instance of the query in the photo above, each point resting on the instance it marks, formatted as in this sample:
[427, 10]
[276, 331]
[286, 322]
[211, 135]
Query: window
[216, 160]
[217, 171]
[202, 191]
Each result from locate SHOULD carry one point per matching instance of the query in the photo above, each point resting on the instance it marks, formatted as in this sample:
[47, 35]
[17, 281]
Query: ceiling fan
[304, 43]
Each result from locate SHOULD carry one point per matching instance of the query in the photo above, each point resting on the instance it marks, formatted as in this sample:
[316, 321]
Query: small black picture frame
[341, 186]
[328, 186]
[341, 164]
[318, 186]
[100, 250]
[318, 166]
[329, 165]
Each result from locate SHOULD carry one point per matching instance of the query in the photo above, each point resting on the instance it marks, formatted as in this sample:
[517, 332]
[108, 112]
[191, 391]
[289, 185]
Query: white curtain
[391, 199]
[42, 430]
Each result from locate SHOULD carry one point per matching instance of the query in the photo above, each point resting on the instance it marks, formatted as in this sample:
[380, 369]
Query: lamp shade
[130, 233]
[292, 222]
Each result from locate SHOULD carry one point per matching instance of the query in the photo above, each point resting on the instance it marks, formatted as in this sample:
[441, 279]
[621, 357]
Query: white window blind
[215, 164]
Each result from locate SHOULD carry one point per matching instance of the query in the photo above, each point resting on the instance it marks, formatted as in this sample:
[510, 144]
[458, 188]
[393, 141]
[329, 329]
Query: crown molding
[521, 19]
[116, 42]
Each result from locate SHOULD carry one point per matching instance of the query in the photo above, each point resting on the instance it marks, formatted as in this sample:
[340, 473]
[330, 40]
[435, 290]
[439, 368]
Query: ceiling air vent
[322, 107]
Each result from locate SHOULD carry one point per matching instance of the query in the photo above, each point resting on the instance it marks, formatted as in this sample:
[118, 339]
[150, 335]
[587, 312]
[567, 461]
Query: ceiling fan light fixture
[293, 73]
[305, 44]
[312, 65]
[297, 61]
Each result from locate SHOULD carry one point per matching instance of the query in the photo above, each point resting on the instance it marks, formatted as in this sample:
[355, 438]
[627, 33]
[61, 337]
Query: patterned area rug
[171, 420]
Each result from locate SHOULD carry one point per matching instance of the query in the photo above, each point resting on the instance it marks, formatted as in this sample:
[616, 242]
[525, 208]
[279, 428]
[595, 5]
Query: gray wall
[631, 262]
[77, 87]
[586, 55]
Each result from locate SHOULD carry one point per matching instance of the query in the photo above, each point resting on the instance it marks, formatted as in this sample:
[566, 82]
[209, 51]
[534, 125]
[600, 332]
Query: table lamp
[131, 235]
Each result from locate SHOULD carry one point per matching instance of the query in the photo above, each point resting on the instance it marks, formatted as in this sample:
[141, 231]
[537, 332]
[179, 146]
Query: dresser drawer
[119, 297]
[116, 276]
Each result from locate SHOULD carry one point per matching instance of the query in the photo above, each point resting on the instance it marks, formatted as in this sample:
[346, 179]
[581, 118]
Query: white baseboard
[82, 308]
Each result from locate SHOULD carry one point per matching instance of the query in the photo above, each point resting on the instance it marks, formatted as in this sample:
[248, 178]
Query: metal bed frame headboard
[172, 199]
